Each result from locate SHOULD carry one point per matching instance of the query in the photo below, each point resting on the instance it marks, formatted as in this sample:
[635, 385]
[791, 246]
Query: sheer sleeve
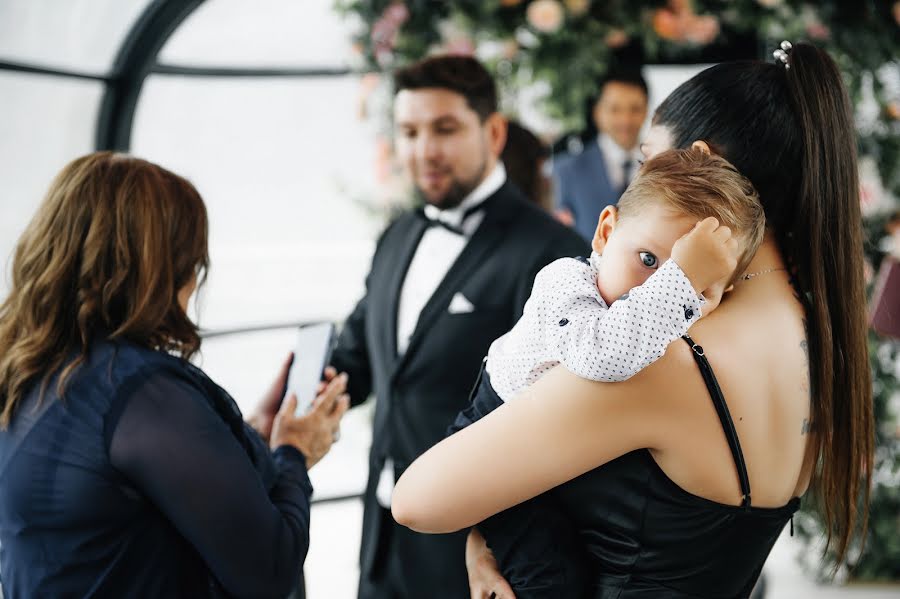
[166, 438]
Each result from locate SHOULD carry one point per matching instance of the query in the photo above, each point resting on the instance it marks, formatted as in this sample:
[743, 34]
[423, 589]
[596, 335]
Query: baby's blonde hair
[699, 184]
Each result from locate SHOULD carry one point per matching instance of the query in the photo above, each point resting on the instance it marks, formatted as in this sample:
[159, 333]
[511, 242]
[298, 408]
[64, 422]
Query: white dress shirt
[437, 251]
[566, 321]
[614, 156]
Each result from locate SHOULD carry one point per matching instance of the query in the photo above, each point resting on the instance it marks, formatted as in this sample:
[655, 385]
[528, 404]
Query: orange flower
[893, 111]
[545, 15]
[577, 7]
[667, 25]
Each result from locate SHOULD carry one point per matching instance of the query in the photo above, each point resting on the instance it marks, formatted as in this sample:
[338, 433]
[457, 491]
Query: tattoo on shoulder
[804, 385]
[807, 427]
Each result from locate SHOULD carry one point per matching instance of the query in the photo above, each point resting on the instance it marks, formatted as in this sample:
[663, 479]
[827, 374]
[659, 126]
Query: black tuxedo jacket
[420, 392]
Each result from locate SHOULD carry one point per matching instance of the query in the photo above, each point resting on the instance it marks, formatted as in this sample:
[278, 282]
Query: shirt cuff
[682, 291]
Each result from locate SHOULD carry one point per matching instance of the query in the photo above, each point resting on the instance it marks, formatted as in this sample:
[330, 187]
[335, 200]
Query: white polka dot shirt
[566, 321]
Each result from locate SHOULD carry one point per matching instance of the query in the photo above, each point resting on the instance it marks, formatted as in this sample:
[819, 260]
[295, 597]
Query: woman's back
[759, 359]
[666, 521]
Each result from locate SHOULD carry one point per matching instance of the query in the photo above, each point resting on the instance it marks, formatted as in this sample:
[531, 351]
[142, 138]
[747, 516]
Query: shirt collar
[488, 187]
[614, 153]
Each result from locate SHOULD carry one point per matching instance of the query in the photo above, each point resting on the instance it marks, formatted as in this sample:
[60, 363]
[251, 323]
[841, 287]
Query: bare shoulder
[755, 344]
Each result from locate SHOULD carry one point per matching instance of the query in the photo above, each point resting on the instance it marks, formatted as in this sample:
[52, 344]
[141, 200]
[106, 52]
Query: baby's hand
[707, 254]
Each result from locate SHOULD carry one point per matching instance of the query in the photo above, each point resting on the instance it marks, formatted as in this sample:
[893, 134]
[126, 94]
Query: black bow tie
[458, 229]
[434, 222]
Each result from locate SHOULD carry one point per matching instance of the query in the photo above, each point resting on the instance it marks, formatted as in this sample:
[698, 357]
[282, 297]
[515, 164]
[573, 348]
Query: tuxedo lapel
[406, 249]
[490, 233]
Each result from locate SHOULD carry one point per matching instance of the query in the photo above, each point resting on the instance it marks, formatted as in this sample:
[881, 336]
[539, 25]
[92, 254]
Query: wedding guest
[127, 471]
[783, 361]
[445, 281]
[524, 157]
[596, 174]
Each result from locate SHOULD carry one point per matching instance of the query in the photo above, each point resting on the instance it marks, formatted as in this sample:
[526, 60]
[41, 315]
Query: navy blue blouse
[144, 480]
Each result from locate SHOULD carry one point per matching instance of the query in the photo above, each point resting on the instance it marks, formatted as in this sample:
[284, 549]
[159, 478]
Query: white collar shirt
[437, 251]
[614, 157]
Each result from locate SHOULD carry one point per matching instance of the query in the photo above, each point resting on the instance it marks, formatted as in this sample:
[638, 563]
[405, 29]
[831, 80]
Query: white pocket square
[460, 305]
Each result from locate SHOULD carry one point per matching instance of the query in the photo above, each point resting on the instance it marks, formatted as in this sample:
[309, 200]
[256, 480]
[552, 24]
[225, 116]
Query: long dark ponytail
[790, 131]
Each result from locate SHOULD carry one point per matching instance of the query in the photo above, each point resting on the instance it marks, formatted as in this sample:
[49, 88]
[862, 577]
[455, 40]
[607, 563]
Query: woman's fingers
[289, 405]
[342, 404]
[325, 402]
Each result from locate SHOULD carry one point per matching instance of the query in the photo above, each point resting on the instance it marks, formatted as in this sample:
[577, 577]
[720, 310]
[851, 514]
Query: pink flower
[396, 13]
[460, 46]
[868, 198]
[386, 30]
[545, 16]
[897, 12]
[616, 38]
[818, 31]
[701, 30]
[769, 3]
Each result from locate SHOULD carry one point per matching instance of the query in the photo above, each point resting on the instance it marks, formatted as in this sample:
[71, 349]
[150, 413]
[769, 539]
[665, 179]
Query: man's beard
[457, 192]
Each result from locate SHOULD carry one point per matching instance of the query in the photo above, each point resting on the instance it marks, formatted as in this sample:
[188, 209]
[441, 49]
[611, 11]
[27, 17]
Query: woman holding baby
[678, 480]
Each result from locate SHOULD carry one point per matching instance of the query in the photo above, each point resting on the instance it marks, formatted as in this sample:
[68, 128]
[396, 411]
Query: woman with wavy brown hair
[125, 469]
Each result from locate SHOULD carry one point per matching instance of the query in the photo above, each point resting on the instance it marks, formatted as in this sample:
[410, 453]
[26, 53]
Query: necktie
[627, 167]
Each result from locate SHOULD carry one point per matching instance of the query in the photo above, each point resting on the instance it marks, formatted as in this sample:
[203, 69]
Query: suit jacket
[583, 187]
[420, 392]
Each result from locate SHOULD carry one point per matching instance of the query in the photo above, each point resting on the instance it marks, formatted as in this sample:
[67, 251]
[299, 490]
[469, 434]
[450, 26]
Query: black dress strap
[712, 385]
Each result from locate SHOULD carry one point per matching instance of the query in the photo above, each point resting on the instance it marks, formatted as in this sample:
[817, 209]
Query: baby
[682, 233]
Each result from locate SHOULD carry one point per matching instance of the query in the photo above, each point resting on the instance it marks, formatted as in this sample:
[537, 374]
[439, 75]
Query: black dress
[625, 530]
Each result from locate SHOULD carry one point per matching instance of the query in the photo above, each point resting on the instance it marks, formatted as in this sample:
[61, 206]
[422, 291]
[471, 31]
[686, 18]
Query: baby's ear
[605, 226]
[702, 146]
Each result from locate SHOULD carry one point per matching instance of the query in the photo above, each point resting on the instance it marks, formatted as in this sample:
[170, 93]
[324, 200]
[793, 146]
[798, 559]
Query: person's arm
[613, 344]
[562, 427]
[166, 439]
[637, 329]
[351, 353]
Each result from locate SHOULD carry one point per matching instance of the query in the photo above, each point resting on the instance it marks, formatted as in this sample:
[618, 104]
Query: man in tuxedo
[594, 174]
[446, 280]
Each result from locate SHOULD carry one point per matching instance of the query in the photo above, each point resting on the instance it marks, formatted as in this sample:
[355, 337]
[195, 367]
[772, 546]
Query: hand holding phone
[311, 355]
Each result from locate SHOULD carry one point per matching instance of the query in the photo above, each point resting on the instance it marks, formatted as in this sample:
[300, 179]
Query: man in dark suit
[445, 281]
[594, 172]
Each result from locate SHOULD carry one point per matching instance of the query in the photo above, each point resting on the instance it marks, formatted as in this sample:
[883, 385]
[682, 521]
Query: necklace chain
[750, 275]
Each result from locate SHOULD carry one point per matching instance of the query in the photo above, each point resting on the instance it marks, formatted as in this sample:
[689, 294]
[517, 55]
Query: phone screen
[311, 356]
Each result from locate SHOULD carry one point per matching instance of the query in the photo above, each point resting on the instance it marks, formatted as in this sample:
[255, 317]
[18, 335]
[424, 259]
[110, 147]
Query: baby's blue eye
[648, 259]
